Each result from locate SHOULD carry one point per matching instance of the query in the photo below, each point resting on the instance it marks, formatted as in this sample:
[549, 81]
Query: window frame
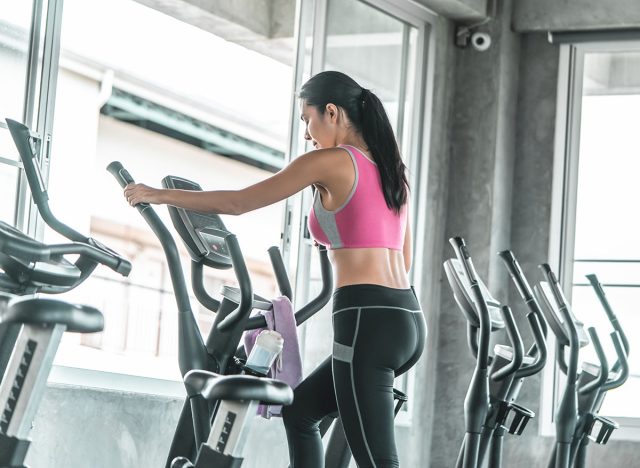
[40, 74]
[564, 197]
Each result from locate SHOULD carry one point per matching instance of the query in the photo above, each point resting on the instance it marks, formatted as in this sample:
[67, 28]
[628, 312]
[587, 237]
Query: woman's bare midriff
[369, 266]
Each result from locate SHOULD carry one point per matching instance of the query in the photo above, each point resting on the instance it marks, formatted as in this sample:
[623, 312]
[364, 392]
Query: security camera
[480, 41]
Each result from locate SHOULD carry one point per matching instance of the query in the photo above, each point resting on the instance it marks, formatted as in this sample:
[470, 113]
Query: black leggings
[379, 333]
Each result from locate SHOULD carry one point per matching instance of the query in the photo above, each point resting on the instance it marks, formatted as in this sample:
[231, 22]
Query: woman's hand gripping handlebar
[246, 292]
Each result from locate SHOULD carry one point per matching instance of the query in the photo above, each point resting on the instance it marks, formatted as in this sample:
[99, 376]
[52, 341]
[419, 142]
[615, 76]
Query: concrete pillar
[481, 157]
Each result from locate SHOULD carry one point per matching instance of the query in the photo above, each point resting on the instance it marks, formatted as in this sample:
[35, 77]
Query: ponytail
[366, 112]
[381, 141]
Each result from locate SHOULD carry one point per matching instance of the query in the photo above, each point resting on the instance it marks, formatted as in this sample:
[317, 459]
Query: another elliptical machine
[592, 426]
[576, 419]
[31, 328]
[490, 409]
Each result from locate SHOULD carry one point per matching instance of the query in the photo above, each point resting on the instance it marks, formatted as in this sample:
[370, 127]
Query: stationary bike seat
[40, 311]
[214, 386]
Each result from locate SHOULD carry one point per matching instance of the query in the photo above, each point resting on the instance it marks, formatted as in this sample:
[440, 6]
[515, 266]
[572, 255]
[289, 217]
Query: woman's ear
[332, 112]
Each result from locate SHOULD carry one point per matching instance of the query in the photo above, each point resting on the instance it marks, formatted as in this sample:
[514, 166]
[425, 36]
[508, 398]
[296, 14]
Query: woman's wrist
[162, 197]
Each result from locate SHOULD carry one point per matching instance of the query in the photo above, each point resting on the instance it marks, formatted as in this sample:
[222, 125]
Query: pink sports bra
[364, 219]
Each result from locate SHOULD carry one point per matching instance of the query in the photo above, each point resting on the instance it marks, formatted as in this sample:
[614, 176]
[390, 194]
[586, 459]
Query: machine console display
[551, 311]
[464, 296]
[202, 233]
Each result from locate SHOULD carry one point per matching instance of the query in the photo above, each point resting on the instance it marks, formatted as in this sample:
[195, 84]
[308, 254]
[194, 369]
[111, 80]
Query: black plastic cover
[13, 451]
[77, 318]
[239, 388]
[209, 458]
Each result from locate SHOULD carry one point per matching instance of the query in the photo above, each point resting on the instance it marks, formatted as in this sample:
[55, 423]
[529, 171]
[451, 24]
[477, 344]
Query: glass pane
[182, 60]
[607, 225]
[8, 190]
[404, 138]
[7, 146]
[15, 30]
[141, 333]
[367, 45]
[141, 336]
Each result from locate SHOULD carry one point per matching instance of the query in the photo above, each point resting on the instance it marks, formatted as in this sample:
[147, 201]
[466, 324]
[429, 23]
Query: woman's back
[349, 215]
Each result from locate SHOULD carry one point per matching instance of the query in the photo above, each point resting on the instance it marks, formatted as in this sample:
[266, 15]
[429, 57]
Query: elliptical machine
[592, 426]
[490, 409]
[214, 392]
[576, 419]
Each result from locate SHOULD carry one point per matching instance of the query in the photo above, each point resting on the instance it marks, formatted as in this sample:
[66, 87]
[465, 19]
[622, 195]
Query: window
[600, 228]
[15, 38]
[28, 60]
[157, 102]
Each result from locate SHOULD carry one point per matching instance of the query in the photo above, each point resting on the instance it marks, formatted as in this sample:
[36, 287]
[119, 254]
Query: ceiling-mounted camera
[466, 36]
[480, 41]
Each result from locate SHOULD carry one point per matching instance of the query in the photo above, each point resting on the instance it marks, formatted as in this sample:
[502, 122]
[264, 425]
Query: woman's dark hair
[365, 111]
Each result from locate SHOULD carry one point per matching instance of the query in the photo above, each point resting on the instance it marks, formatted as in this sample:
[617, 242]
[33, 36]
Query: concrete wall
[567, 15]
[494, 183]
[80, 427]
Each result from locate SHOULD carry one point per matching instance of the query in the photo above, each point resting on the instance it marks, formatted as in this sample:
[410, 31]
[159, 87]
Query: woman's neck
[357, 142]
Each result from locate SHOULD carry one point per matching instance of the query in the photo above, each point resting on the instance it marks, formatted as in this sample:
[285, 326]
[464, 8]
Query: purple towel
[288, 367]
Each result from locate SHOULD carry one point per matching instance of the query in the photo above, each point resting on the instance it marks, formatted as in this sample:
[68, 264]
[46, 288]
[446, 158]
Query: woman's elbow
[407, 263]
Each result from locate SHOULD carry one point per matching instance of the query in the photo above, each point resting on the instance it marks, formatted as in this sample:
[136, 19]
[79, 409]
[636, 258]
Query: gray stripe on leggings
[342, 352]
[355, 397]
[378, 307]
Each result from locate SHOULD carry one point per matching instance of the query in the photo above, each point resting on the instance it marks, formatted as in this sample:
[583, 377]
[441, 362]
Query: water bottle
[267, 348]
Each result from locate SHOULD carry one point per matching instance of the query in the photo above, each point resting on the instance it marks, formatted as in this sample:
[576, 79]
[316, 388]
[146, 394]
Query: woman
[360, 213]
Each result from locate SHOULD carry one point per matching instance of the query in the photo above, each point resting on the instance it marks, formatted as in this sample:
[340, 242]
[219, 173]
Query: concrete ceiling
[265, 26]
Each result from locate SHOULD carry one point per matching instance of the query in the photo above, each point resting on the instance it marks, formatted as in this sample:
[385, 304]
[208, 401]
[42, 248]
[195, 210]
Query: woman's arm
[406, 248]
[310, 168]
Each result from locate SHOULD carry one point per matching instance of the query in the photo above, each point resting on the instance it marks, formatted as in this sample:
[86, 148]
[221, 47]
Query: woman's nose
[307, 136]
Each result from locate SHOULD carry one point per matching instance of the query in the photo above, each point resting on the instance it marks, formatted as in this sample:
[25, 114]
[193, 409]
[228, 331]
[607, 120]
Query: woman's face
[320, 128]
